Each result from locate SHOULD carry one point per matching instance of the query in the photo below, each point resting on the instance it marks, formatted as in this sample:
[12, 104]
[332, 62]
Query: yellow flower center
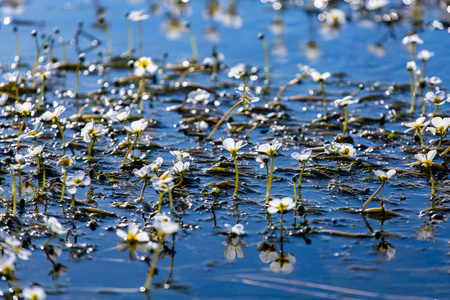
[143, 63]
[345, 152]
[271, 151]
[132, 241]
[440, 129]
[437, 100]
[77, 181]
[65, 162]
[282, 207]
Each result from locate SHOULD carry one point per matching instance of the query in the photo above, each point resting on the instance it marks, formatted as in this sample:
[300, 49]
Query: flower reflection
[386, 250]
[282, 261]
[234, 242]
[266, 250]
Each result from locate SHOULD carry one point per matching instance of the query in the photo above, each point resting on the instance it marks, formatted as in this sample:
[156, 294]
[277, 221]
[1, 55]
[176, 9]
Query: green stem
[237, 176]
[143, 189]
[300, 181]
[14, 196]
[91, 147]
[129, 150]
[109, 40]
[322, 90]
[345, 121]
[372, 197]
[20, 132]
[72, 204]
[411, 83]
[269, 181]
[62, 135]
[151, 271]
[224, 117]
[432, 181]
[77, 79]
[193, 45]
[295, 192]
[161, 193]
[43, 176]
[140, 92]
[171, 200]
[19, 177]
[63, 188]
[42, 93]
[420, 137]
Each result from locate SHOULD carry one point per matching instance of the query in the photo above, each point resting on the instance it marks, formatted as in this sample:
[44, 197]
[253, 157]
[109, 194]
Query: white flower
[7, 263]
[232, 146]
[201, 125]
[12, 246]
[318, 77]
[138, 15]
[345, 101]
[412, 67]
[248, 97]
[346, 150]
[47, 116]
[3, 99]
[237, 71]
[280, 205]
[197, 96]
[180, 167]
[269, 149]
[92, 131]
[437, 98]
[120, 115]
[237, 229]
[440, 125]
[154, 166]
[180, 155]
[282, 261]
[384, 175]
[137, 127]
[66, 162]
[34, 292]
[35, 151]
[134, 240]
[335, 17]
[76, 180]
[263, 159]
[35, 133]
[54, 226]
[164, 225]
[426, 160]
[24, 109]
[142, 172]
[11, 77]
[144, 64]
[376, 4]
[425, 55]
[331, 148]
[303, 156]
[136, 155]
[163, 183]
[413, 38]
[417, 125]
[434, 80]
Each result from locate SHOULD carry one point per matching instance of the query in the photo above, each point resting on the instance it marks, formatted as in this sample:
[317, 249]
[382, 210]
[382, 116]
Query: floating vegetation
[113, 156]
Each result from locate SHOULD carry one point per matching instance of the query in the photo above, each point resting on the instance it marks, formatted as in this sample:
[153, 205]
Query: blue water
[329, 265]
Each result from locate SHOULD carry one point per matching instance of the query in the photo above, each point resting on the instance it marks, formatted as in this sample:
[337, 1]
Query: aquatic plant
[270, 150]
[426, 161]
[383, 176]
[137, 128]
[233, 147]
[321, 77]
[302, 157]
